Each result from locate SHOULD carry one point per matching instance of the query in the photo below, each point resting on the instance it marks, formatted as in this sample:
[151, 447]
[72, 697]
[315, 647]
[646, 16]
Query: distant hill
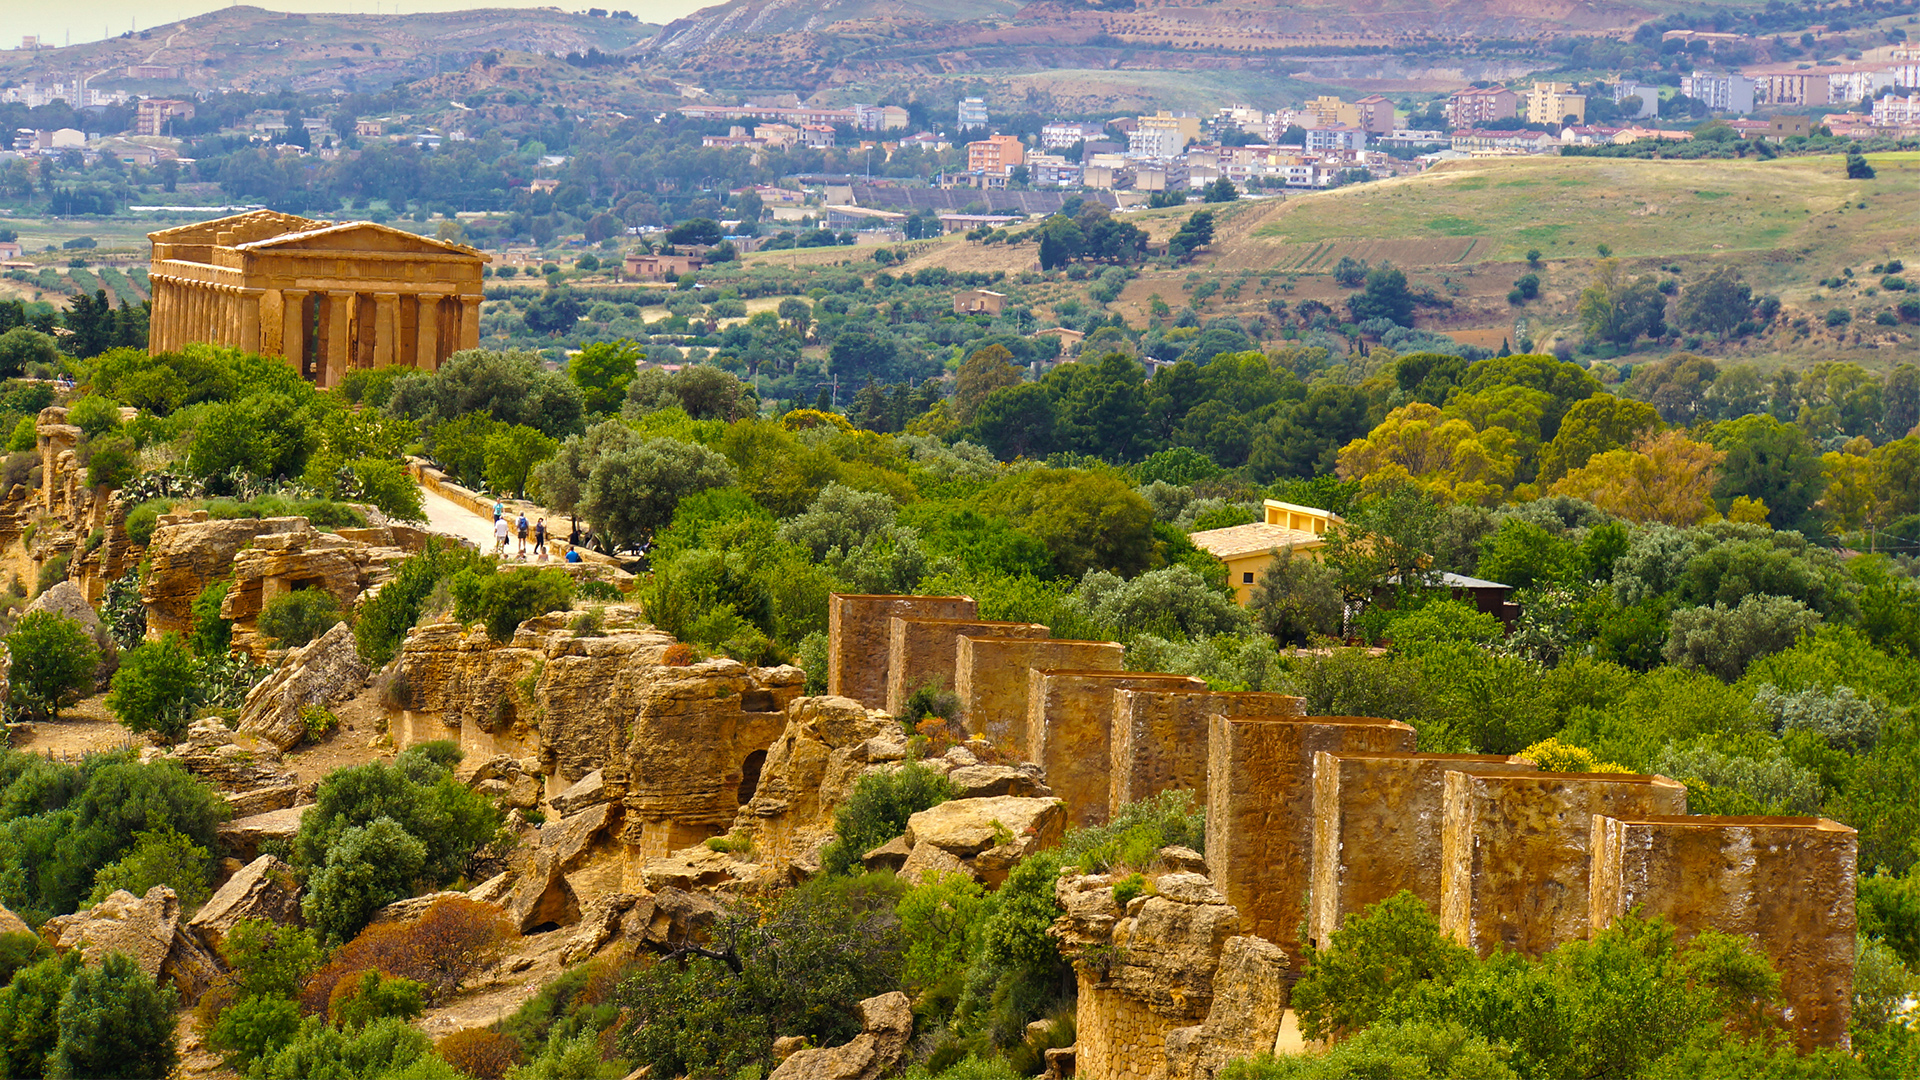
[249, 48]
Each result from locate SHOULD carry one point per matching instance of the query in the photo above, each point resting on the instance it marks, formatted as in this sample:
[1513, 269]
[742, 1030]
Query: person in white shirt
[501, 530]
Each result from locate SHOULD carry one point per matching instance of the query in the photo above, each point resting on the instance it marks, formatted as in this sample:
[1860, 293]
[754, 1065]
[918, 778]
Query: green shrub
[157, 688]
[712, 1017]
[296, 618]
[114, 1022]
[53, 664]
[1375, 956]
[30, 1014]
[1389, 1050]
[143, 519]
[268, 959]
[416, 791]
[1137, 833]
[25, 436]
[18, 951]
[373, 996]
[1127, 888]
[502, 601]
[386, 618]
[383, 1050]
[367, 868]
[253, 1028]
[877, 811]
[159, 857]
[212, 635]
[317, 721]
[52, 573]
[112, 461]
[94, 415]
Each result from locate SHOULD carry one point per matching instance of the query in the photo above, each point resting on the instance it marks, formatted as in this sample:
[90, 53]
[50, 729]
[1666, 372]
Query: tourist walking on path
[500, 533]
[521, 527]
[539, 537]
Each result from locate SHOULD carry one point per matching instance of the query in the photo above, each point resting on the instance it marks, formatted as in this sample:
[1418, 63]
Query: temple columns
[248, 303]
[339, 308]
[293, 327]
[386, 327]
[469, 322]
[426, 332]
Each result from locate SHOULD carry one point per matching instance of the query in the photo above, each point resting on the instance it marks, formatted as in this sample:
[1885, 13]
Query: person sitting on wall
[573, 554]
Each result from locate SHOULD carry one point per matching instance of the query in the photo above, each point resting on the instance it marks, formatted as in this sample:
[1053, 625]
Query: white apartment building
[1722, 93]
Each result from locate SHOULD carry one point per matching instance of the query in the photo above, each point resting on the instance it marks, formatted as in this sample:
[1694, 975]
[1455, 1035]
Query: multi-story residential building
[1327, 111]
[1553, 103]
[1336, 137]
[1891, 111]
[1061, 134]
[995, 154]
[1649, 97]
[880, 117]
[817, 137]
[1721, 93]
[1471, 140]
[1376, 115]
[1241, 118]
[1789, 86]
[972, 113]
[1162, 136]
[1479, 104]
[1052, 170]
[152, 115]
[1860, 82]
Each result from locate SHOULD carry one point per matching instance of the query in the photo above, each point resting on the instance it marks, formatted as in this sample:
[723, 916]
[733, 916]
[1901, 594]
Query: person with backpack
[523, 528]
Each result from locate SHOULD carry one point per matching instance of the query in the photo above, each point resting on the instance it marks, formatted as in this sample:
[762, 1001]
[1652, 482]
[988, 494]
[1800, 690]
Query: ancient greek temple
[328, 296]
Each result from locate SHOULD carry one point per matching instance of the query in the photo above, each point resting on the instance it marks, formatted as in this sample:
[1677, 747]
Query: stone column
[469, 322]
[426, 332]
[157, 317]
[339, 309]
[247, 301]
[293, 327]
[196, 312]
[386, 327]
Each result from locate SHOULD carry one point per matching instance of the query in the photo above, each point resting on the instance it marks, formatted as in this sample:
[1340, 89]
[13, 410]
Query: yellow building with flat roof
[1247, 549]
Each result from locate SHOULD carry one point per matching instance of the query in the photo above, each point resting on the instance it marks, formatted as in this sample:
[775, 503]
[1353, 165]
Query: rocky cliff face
[283, 561]
[189, 551]
[1169, 987]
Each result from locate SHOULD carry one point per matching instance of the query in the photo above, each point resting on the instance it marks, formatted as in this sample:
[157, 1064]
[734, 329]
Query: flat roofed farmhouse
[328, 296]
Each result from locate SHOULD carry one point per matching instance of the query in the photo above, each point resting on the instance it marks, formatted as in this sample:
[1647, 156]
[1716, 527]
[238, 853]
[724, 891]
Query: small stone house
[647, 267]
[979, 302]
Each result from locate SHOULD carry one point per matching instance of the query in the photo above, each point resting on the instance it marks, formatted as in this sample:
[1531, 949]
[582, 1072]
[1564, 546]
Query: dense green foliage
[62, 824]
[377, 831]
[53, 664]
[877, 811]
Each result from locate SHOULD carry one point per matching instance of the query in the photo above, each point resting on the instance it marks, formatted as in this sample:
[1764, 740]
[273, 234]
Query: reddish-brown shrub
[480, 1053]
[678, 654]
[453, 939]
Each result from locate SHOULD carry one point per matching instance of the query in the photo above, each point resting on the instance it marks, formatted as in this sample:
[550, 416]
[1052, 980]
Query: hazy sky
[91, 20]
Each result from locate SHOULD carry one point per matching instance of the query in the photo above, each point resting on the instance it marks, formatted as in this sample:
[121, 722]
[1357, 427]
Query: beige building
[328, 296]
[151, 116]
[1247, 549]
[1328, 111]
[1552, 103]
[979, 302]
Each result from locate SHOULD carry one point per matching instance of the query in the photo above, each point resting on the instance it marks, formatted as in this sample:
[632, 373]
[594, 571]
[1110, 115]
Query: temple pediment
[354, 236]
[240, 228]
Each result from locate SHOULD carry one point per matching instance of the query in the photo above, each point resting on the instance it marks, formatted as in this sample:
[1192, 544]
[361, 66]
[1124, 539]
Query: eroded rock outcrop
[323, 672]
[148, 930]
[1144, 970]
[263, 889]
[341, 565]
[984, 837]
[886, 1027]
[187, 552]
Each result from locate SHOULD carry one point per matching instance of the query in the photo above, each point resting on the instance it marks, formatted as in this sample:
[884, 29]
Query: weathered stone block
[1787, 884]
[1514, 852]
[857, 637]
[922, 652]
[1376, 828]
[1070, 720]
[1260, 809]
[1160, 737]
[990, 677]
